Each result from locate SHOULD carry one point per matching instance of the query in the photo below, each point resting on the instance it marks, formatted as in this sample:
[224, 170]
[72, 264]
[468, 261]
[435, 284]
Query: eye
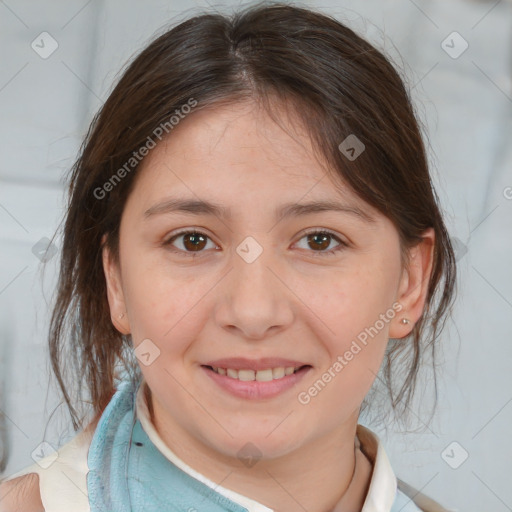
[321, 239]
[194, 242]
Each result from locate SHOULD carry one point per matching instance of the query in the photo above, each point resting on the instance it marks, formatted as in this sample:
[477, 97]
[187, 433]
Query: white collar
[381, 492]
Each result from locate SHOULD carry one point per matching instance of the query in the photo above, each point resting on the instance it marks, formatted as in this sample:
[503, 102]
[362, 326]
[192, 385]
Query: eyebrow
[199, 207]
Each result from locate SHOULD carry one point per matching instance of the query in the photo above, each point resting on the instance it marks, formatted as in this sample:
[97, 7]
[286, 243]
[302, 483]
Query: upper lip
[241, 363]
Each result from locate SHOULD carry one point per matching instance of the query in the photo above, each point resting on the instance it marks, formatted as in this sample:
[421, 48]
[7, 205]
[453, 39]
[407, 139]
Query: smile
[259, 375]
[256, 384]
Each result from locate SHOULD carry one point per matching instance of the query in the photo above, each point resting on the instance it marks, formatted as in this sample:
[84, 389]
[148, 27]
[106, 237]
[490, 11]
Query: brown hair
[337, 84]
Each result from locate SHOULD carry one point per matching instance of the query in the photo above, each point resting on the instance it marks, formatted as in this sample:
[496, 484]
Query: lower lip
[256, 390]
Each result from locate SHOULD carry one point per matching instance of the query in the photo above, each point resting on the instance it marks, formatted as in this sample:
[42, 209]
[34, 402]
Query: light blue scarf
[128, 473]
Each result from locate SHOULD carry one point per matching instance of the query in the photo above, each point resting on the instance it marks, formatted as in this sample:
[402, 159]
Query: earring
[121, 315]
[405, 321]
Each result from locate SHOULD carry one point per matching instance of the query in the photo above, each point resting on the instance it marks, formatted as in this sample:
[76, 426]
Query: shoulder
[55, 481]
[21, 494]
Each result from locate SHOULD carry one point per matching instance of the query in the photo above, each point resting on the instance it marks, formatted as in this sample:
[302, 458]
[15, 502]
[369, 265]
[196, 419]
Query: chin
[255, 445]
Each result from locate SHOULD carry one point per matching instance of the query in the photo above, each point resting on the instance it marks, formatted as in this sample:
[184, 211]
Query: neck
[329, 474]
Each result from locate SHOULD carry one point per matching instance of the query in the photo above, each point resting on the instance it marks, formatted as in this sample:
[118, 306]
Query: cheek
[170, 309]
[160, 304]
[348, 301]
[355, 345]
[354, 313]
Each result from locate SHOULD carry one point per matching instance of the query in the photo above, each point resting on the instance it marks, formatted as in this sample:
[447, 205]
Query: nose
[253, 298]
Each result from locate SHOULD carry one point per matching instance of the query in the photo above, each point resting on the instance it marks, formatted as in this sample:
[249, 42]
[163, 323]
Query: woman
[251, 232]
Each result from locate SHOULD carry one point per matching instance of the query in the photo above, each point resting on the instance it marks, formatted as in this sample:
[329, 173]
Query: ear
[413, 287]
[115, 292]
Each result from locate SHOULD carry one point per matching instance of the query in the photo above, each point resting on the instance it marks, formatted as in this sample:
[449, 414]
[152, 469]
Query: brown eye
[191, 241]
[194, 241]
[318, 241]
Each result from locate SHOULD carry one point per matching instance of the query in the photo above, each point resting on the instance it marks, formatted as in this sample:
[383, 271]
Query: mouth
[249, 375]
[258, 384]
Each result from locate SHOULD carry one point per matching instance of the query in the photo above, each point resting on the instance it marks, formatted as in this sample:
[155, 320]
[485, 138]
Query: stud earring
[121, 315]
[405, 321]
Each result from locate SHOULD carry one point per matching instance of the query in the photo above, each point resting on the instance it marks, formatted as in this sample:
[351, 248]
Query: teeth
[278, 373]
[260, 375]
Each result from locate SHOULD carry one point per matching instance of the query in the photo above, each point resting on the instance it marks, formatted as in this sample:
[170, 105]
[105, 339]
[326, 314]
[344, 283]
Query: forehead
[233, 153]
[240, 134]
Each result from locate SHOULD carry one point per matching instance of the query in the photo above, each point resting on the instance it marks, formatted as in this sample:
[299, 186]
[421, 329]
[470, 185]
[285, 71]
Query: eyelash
[342, 244]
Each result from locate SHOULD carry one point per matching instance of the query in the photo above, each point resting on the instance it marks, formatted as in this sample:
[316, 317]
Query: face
[243, 282]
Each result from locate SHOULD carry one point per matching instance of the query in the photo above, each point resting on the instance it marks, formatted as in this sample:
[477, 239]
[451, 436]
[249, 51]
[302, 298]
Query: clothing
[121, 465]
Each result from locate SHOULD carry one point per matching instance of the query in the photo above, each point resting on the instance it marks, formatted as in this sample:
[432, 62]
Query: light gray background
[466, 106]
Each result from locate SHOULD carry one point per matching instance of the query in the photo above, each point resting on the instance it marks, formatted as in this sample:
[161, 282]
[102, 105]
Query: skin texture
[290, 302]
[21, 494]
